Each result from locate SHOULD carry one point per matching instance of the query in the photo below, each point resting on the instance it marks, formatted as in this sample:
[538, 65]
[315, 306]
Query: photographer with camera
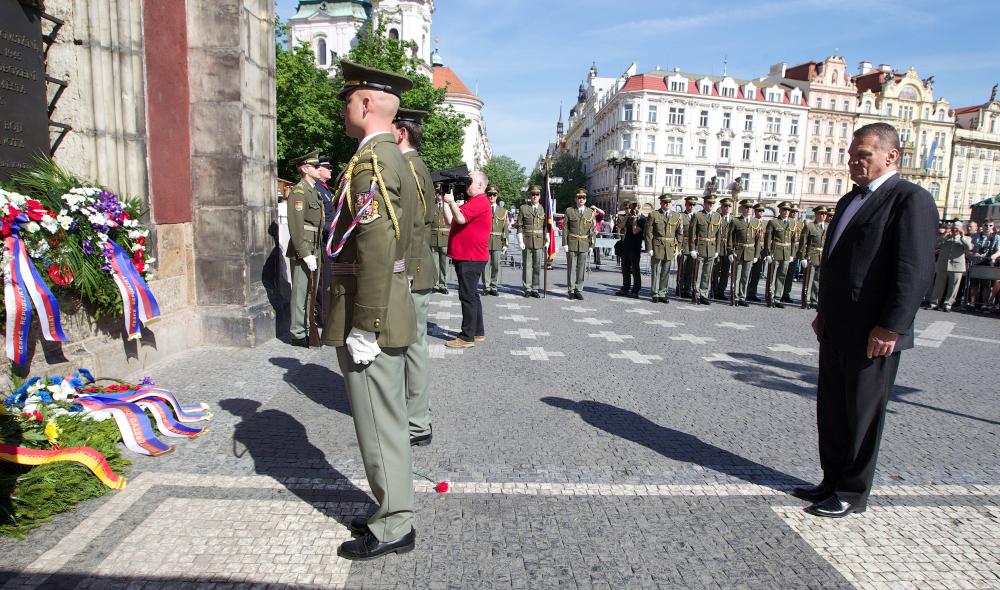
[952, 249]
[468, 248]
[985, 252]
[633, 230]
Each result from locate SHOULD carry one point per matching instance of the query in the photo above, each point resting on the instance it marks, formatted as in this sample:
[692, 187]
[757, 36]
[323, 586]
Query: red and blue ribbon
[136, 430]
[333, 253]
[22, 286]
[138, 303]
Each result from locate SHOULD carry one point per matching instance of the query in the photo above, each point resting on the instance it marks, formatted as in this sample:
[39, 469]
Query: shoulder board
[366, 167]
[299, 191]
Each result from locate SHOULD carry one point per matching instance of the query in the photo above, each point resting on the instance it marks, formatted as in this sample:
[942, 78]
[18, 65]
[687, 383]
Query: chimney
[778, 70]
[886, 68]
[864, 67]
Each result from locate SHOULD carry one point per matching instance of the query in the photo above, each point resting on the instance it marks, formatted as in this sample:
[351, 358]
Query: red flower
[140, 264]
[441, 487]
[61, 275]
[34, 210]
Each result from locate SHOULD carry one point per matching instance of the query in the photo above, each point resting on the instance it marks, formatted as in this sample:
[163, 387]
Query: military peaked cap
[726, 201]
[759, 207]
[746, 203]
[490, 190]
[411, 115]
[310, 158]
[691, 200]
[785, 205]
[535, 189]
[666, 198]
[794, 207]
[821, 210]
[324, 161]
[358, 76]
[581, 193]
[709, 198]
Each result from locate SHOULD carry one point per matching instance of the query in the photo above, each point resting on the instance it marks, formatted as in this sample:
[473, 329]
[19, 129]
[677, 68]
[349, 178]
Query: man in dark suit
[878, 263]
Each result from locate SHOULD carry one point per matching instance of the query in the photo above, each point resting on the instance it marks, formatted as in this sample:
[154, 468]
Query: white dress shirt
[855, 204]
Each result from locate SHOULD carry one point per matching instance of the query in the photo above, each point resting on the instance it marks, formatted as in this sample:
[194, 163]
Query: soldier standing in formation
[720, 274]
[811, 254]
[499, 235]
[797, 225]
[440, 228]
[778, 253]
[757, 270]
[579, 236]
[744, 243]
[664, 233]
[532, 239]
[704, 235]
[372, 319]
[305, 220]
[685, 266]
[421, 273]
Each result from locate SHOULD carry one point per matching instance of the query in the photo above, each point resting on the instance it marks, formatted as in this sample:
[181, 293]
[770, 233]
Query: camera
[453, 179]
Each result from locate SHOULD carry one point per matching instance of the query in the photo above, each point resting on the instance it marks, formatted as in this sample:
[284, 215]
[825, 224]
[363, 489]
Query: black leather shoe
[494, 292]
[786, 300]
[779, 305]
[754, 298]
[367, 547]
[535, 294]
[704, 301]
[634, 295]
[833, 507]
[358, 526]
[621, 293]
[526, 294]
[300, 342]
[812, 493]
[664, 300]
[421, 441]
[742, 303]
[655, 299]
[579, 296]
[444, 290]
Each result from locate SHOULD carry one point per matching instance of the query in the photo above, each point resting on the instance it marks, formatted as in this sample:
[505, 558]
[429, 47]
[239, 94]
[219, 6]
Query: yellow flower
[52, 431]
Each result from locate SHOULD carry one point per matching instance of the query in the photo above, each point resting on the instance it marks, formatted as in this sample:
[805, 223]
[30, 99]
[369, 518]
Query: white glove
[310, 262]
[755, 260]
[363, 346]
[803, 264]
[694, 253]
[504, 251]
[769, 259]
[732, 258]
[520, 240]
[565, 248]
[546, 240]
[716, 256]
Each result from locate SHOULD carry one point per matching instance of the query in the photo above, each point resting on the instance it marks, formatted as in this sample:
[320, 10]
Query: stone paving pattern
[582, 468]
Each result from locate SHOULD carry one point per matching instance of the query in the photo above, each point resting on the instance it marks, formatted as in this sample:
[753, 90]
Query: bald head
[478, 184]
[368, 111]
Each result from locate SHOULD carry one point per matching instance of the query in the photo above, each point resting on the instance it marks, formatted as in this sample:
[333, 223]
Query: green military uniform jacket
[664, 232]
[951, 253]
[811, 243]
[499, 235]
[778, 239]
[724, 233]
[705, 234]
[743, 239]
[531, 224]
[440, 228]
[305, 221]
[579, 232]
[797, 226]
[369, 289]
[419, 263]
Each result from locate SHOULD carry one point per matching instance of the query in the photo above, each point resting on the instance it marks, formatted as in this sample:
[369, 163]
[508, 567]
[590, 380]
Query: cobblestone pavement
[604, 443]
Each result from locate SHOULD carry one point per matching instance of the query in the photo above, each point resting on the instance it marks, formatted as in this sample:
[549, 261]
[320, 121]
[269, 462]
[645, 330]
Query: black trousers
[850, 412]
[469, 272]
[631, 279]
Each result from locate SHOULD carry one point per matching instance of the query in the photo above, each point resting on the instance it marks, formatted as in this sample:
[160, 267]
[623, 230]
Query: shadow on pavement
[673, 444]
[316, 382]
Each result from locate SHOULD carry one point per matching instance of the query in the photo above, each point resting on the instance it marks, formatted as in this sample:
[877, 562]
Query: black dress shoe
[526, 294]
[300, 342]
[833, 507]
[494, 292]
[812, 493]
[754, 298]
[664, 300]
[444, 291]
[621, 293]
[704, 301]
[786, 300]
[535, 294]
[654, 299]
[368, 547]
[742, 303]
[634, 295]
[358, 526]
[421, 441]
[779, 305]
[579, 296]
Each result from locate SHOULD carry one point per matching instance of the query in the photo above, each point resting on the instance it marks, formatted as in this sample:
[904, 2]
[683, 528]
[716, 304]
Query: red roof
[872, 81]
[963, 110]
[657, 82]
[445, 78]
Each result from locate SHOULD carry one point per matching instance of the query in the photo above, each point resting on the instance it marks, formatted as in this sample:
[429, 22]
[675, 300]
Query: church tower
[410, 20]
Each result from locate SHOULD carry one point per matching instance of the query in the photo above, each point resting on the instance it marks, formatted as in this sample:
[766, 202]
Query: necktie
[867, 190]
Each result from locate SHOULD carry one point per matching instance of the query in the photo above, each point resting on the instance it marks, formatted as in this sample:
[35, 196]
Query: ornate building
[926, 125]
[975, 166]
[832, 105]
[476, 150]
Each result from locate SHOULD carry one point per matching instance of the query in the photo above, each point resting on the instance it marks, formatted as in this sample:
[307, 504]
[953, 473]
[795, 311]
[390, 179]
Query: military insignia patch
[371, 214]
[299, 205]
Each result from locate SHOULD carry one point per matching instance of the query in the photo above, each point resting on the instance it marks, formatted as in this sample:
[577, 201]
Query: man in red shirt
[468, 246]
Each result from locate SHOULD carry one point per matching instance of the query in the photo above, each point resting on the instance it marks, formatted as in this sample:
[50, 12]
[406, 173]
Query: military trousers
[300, 299]
[704, 282]
[946, 285]
[684, 278]
[491, 274]
[576, 271]
[440, 256]
[720, 276]
[743, 269]
[756, 271]
[418, 370]
[780, 275]
[377, 393]
[793, 265]
[659, 276]
[812, 286]
[531, 257]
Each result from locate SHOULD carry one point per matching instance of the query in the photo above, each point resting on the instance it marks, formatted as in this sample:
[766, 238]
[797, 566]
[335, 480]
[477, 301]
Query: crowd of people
[967, 268]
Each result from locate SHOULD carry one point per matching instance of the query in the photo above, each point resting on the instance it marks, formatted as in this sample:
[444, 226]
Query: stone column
[233, 147]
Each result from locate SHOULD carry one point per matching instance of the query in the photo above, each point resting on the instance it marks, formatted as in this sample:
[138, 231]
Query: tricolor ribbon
[137, 432]
[89, 457]
[23, 285]
[332, 252]
[138, 304]
[184, 413]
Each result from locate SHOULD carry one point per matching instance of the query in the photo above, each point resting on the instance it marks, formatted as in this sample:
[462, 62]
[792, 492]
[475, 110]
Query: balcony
[921, 172]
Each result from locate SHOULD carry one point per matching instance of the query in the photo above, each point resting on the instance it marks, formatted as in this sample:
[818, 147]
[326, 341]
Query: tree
[570, 169]
[508, 177]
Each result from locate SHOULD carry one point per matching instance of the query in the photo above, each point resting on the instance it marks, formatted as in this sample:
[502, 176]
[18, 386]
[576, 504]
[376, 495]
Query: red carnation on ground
[60, 275]
[441, 487]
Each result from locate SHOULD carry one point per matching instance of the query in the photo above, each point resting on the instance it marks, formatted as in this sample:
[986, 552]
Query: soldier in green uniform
[778, 252]
[720, 274]
[743, 244]
[532, 239]
[440, 228]
[797, 226]
[372, 320]
[421, 272]
[664, 232]
[811, 254]
[759, 225]
[499, 235]
[579, 235]
[305, 223]
[685, 265]
[704, 237]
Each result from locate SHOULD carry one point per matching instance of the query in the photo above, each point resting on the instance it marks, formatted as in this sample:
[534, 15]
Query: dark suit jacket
[881, 266]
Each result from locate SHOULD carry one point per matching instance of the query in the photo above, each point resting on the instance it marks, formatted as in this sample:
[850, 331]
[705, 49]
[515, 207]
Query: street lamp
[621, 161]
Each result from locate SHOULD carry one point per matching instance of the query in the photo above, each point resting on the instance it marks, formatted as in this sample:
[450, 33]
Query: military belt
[442, 229]
[311, 228]
[782, 243]
[349, 268]
[707, 239]
[664, 239]
[496, 233]
[579, 237]
[532, 231]
[751, 244]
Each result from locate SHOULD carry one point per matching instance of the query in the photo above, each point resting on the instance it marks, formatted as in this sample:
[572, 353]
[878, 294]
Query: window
[812, 184]
[828, 155]
[748, 123]
[935, 190]
[673, 178]
[847, 105]
[770, 183]
[702, 148]
[703, 119]
[727, 120]
[819, 102]
[814, 154]
[840, 186]
[745, 181]
[651, 116]
[678, 86]
[868, 106]
[773, 124]
[675, 146]
[729, 91]
[816, 124]
[650, 144]
[986, 176]
[795, 126]
[888, 110]
[628, 178]
[940, 117]
[724, 151]
[842, 156]
[321, 51]
[775, 95]
[826, 186]
[907, 159]
[628, 114]
[746, 150]
[796, 99]
[626, 141]
[844, 129]
[675, 116]
[699, 179]
[789, 185]
[960, 172]
[829, 129]
[705, 88]
[771, 152]
[394, 34]
[647, 176]
[791, 154]
[974, 175]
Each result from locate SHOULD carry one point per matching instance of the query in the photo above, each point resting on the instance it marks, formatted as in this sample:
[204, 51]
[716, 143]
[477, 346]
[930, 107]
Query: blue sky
[525, 56]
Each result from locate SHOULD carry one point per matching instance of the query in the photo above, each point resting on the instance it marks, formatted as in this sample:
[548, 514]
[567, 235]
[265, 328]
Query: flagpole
[548, 219]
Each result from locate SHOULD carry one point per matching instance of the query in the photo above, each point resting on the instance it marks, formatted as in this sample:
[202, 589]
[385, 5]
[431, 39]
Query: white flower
[64, 220]
[36, 387]
[133, 223]
[98, 219]
[102, 237]
[150, 261]
[50, 224]
[40, 250]
[32, 227]
[29, 408]
[62, 391]
[137, 233]
[17, 200]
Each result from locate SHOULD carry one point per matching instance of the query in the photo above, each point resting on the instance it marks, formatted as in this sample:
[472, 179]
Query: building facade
[975, 166]
[476, 150]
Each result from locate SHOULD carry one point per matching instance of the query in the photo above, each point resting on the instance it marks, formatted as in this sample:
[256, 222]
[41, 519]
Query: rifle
[806, 279]
[696, 279]
[732, 281]
[314, 341]
[680, 272]
[768, 293]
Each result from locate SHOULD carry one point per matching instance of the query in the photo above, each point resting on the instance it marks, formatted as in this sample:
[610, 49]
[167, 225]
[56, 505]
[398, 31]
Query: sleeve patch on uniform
[370, 214]
[299, 205]
[367, 167]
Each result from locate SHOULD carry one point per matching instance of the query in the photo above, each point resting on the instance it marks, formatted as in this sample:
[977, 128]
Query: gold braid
[385, 193]
[420, 189]
[348, 176]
